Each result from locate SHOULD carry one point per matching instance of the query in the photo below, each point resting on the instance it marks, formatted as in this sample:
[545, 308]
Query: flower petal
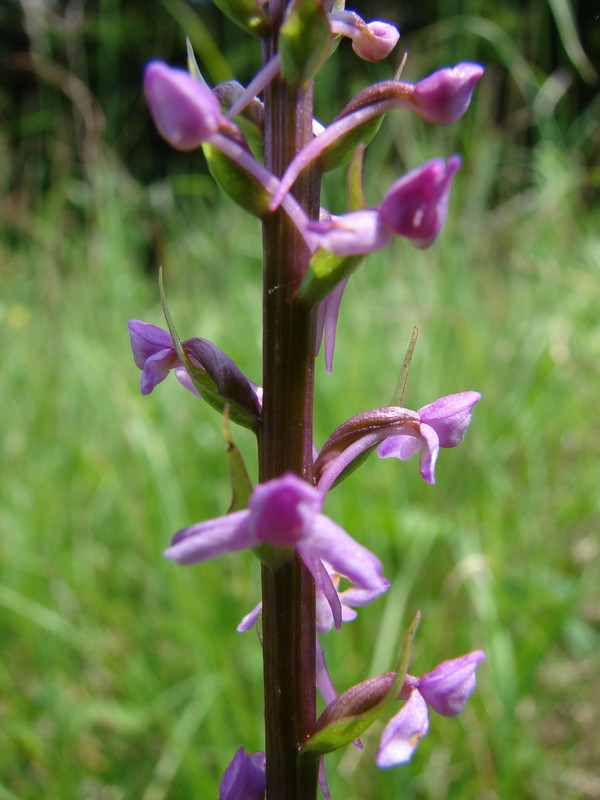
[147, 340]
[403, 732]
[450, 416]
[352, 234]
[444, 96]
[212, 538]
[332, 544]
[447, 687]
[283, 509]
[244, 778]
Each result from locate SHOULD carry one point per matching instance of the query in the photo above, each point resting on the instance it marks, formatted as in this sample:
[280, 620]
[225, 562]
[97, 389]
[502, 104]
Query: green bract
[358, 708]
[304, 42]
[239, 185]
[248, 14]
[325, 270]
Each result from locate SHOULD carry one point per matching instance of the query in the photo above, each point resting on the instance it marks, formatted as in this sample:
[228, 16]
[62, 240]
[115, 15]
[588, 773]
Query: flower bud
[376, 41]
[444, 96]
[185, 112]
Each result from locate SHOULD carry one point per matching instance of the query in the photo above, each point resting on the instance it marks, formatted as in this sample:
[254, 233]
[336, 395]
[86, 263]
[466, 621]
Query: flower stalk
[285, 442]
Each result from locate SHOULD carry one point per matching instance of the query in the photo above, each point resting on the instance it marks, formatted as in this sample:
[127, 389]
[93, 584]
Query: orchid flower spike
[443, 97]
[446, 689]
[286, 513]
[398, 432]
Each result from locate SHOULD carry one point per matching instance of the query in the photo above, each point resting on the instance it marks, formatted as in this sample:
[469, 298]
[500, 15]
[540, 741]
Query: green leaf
[192, 64]
[401, 385]
[304, 41]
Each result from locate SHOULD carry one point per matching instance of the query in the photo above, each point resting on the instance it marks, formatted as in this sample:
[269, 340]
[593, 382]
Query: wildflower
[208, 371]
[285, 513]
[446, 689]
[185, 111]
[441, 424]
[444, 96]
[188, 115]
[415, 207]
[399, 433]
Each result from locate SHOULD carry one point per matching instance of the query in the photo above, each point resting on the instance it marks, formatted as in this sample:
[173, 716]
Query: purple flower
[220, 380]
[399, 433]
[441, 424]
[444, 96]
[154, 353]
[185, 111]
[244, 778]
[348, 599]
[188, 114]
[446, 689]
[286, 512]
[417, 204]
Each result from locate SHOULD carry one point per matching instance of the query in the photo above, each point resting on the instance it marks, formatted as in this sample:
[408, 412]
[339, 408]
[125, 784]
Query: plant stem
[285, 444]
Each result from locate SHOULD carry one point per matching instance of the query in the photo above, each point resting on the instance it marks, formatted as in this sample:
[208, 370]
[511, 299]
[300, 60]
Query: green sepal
[192, 64]
[348, 716]
[236, 182]
[325, 270]
[248, 14]
[340, 152]
[304, 41]
[241, 485]
[203, 382]
[398, 395]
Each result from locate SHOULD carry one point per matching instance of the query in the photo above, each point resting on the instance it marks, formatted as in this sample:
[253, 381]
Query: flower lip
[185, 112]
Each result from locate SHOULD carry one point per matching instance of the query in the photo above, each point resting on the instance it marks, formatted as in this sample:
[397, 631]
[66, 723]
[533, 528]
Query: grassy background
[121, 675]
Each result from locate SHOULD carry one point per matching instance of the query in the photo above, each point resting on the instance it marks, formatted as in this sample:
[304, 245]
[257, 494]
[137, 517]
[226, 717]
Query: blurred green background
[121, 675]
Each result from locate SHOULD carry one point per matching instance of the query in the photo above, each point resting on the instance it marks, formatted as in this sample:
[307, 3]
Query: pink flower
[446, 689]
[185, 112]
[286, 512]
